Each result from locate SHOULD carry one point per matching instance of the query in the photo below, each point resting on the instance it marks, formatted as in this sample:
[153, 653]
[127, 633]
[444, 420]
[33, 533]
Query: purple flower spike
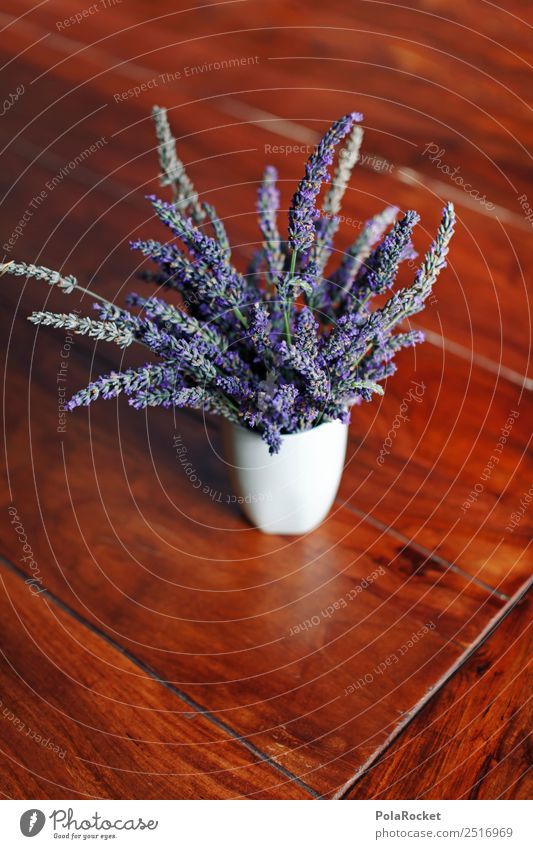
[303, 212]
[379, 272]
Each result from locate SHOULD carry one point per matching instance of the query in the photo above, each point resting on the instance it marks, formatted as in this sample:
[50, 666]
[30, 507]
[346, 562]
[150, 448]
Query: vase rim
[285, 436]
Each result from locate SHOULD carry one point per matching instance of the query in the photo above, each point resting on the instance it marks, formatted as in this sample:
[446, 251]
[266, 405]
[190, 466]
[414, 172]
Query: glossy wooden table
[149, 640]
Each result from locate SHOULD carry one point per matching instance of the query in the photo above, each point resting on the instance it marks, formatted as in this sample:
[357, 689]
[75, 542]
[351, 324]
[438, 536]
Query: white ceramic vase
[290, 492]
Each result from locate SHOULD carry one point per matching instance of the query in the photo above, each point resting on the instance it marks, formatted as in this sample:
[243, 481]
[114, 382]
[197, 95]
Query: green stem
[287, 305]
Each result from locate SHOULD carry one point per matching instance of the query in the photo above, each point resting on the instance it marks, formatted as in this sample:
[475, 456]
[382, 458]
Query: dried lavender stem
[287, 306]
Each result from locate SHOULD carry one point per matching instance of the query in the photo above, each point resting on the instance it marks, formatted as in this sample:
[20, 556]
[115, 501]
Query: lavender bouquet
[284, 347]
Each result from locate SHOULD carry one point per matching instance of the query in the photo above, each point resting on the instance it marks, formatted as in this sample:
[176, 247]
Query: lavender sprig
[327, 225]
[195, 397]
[219, 230]
[225, 286]
[316, 379]
[172, 169]
[325, 229]
[168, 314]
[260, 328]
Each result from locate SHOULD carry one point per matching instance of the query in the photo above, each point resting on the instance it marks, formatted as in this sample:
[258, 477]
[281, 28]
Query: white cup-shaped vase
[290, 492]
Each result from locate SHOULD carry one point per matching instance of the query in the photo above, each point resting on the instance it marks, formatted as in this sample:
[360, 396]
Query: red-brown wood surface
[472, 741]
[161, 600]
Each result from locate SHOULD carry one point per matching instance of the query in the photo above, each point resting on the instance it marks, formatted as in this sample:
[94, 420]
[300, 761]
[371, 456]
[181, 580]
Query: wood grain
[472, 741]
[80, 720]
